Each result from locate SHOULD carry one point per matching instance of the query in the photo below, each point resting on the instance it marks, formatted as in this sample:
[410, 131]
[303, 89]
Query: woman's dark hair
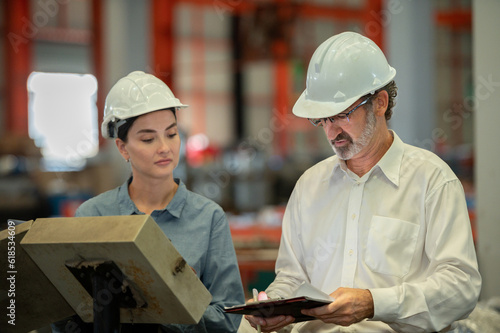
[123, 129]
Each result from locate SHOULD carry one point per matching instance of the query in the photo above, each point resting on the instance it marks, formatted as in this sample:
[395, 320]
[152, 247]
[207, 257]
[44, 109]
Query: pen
[255, 298]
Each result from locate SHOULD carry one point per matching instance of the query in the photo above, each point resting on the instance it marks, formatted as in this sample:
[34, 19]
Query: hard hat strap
[113, 127]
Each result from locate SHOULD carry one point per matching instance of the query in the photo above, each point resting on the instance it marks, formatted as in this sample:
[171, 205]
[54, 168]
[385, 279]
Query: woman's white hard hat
[344, 68]
[134, 95]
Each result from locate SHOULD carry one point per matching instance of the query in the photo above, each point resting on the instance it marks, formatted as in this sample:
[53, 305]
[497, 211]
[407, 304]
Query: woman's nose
[163, 145]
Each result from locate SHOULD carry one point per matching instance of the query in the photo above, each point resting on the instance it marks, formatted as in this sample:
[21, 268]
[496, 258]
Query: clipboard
[276, 307]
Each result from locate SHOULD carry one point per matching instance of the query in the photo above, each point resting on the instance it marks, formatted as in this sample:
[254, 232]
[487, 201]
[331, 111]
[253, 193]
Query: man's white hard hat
[344, 68]
[134, 95]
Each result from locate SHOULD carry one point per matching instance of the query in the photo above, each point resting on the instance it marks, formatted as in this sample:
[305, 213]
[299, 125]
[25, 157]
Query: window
[63, 118]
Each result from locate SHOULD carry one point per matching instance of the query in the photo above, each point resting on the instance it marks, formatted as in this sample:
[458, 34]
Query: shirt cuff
[273, 295]
[385, 304]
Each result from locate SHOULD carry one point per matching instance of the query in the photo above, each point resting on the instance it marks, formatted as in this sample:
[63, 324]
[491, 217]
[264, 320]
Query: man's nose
[332, 130]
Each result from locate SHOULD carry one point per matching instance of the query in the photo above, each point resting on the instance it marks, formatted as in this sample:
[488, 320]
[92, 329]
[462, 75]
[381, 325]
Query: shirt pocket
[391, 245]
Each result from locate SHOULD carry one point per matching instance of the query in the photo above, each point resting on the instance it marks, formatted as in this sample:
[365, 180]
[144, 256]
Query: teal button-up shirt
[199, 230]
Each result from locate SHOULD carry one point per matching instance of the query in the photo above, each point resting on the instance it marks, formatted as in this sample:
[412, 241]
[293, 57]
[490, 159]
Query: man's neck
[371, 154]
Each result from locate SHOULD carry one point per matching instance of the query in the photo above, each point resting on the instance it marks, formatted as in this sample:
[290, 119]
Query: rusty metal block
[27, 297]
[157, 274]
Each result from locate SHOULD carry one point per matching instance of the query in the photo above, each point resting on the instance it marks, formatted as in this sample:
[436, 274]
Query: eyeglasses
[340, 119]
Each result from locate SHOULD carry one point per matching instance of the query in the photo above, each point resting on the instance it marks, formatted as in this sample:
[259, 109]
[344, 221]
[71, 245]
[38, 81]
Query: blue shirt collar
[175, 206]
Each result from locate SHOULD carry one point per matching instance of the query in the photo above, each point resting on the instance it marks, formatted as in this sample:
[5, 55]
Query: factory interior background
[240, 66]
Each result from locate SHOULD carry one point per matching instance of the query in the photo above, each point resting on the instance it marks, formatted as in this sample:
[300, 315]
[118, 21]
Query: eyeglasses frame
[332, 118]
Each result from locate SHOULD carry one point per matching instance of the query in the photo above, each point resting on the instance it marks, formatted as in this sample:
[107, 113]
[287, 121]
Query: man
[381, 226]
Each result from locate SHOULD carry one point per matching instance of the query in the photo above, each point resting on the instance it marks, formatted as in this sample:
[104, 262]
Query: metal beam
[19, 32]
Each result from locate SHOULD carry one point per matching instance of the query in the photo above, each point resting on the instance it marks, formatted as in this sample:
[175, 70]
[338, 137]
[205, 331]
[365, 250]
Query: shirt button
[351, 252]
[353, 216]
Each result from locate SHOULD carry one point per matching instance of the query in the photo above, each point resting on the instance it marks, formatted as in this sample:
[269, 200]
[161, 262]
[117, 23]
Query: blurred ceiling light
[198, 142]
[63, 118]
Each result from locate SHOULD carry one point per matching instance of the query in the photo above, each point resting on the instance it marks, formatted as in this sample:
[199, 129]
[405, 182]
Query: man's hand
[270, 324]
[350, 306]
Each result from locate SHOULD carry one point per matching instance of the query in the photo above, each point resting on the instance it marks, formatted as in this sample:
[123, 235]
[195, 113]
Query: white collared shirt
[402, 231]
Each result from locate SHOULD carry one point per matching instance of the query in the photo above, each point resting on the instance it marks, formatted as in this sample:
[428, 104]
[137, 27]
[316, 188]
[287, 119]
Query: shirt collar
[175, 206]
[127, 206]
[179, 200]
[390, 163]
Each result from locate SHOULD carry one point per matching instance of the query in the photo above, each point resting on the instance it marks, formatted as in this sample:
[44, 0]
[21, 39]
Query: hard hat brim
[104, 125]
[306, 108]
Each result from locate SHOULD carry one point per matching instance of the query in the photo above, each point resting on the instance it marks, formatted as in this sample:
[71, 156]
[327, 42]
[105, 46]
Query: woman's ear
[381, 102]
[122, 149]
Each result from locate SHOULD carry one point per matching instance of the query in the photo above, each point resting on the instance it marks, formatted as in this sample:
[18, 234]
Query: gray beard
[354, 147]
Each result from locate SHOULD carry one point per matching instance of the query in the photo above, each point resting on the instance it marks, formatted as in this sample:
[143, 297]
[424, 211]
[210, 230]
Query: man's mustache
[342, 136]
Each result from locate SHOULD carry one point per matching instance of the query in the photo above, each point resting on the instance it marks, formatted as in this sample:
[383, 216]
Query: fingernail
[262, 296]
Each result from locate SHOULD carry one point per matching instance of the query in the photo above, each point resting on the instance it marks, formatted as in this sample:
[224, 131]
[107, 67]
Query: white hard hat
[135, 94]
[344, 68]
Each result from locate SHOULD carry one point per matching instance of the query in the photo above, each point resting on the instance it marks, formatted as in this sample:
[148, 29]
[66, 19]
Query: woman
[140, 114]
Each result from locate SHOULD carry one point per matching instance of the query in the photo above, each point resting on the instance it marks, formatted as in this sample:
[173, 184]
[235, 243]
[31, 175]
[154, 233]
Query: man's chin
[341, 155]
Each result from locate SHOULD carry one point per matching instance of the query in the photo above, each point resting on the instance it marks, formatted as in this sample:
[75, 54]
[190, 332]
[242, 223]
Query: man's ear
[122, 149]
[380, 103]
